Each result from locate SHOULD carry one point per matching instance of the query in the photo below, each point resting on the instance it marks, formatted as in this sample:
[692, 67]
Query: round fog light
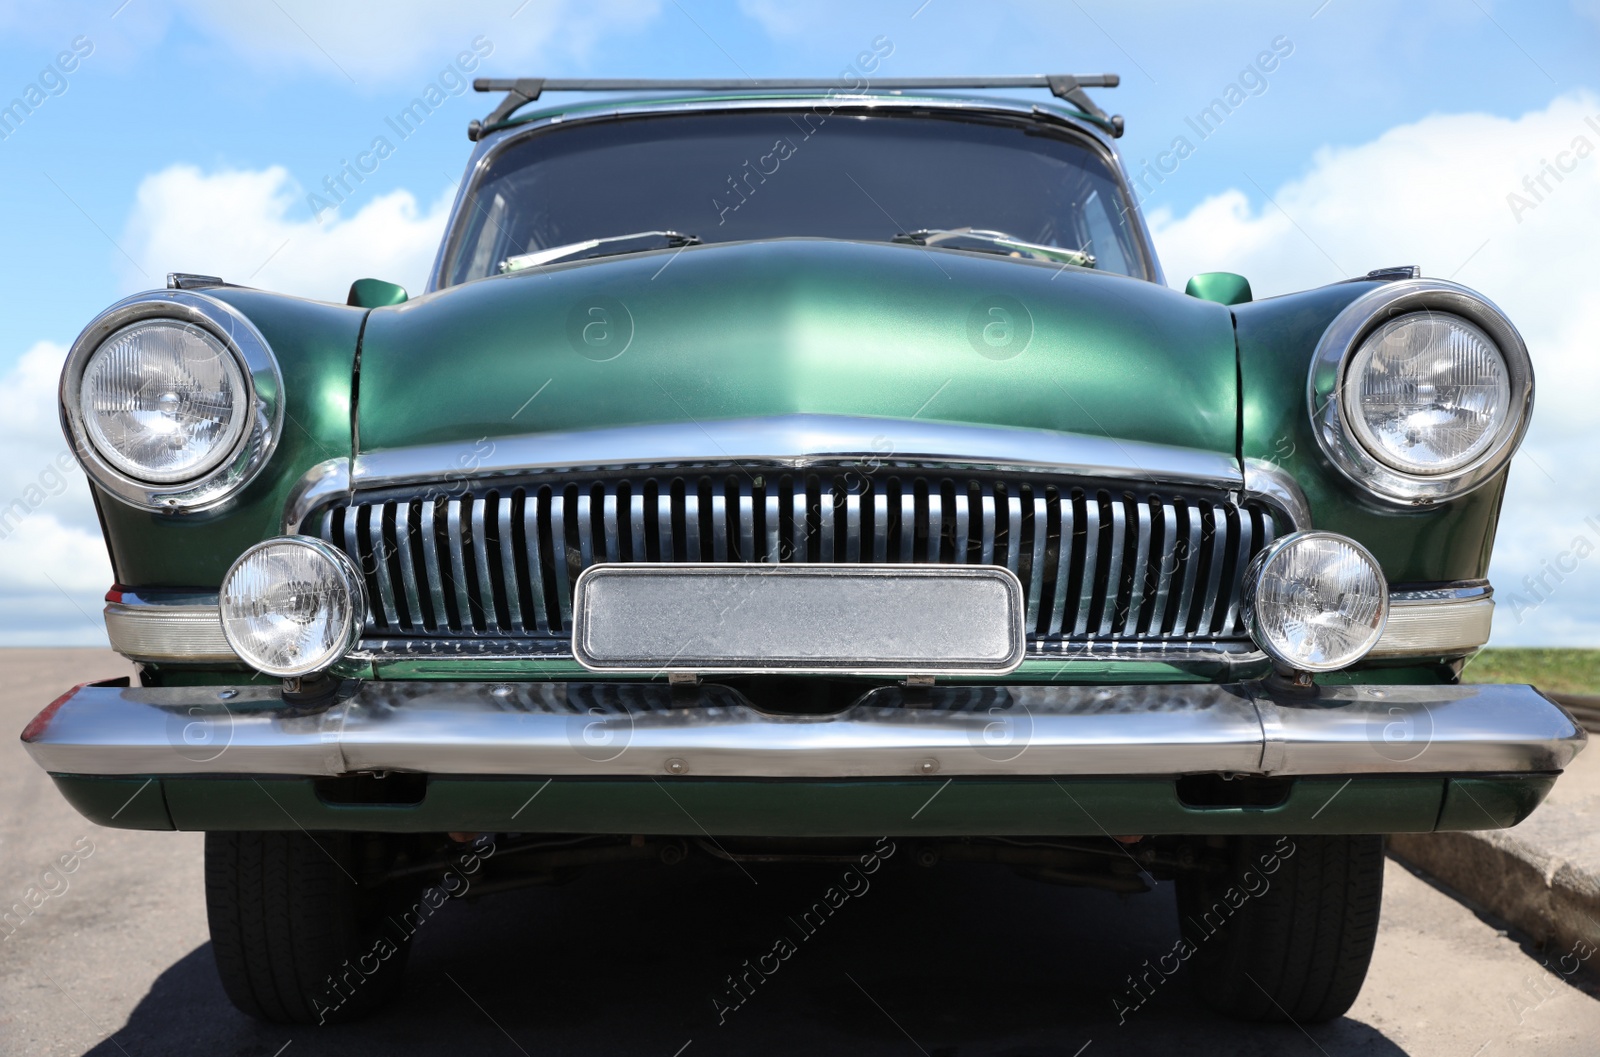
[1315, 601]
[292, 606]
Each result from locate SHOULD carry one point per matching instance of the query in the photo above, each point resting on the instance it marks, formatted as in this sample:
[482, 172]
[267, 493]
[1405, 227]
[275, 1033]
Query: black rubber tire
[292, 932]
[1297, 945]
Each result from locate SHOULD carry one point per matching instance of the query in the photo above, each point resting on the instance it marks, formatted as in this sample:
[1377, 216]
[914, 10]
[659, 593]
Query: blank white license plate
[736, 618]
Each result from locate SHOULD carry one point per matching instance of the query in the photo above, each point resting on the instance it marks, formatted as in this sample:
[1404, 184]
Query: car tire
[1285, 932]
[294, 935]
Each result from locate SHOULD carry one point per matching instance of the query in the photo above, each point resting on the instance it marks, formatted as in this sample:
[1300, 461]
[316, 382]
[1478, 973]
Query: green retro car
[793, 470]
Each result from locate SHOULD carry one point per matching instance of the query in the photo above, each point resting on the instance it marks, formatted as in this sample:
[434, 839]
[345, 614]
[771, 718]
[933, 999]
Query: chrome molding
[1272, 484]
[547, 729]
[325, 483]
[264, 396]
[1251, 599]
[355, 590]
[798, 441]
[1238, 656]
[490, 146]
[1326, 402]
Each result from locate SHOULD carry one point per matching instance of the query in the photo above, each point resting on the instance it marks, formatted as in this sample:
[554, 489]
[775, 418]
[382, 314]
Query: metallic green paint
[798, 325]
[1225, 288]
[376, 293]
[315, 344]
[1447, 541]
[121, 803]
[867, 807]
[1492, 802]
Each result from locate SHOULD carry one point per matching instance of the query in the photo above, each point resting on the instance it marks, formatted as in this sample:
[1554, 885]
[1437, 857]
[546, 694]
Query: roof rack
[523, 90]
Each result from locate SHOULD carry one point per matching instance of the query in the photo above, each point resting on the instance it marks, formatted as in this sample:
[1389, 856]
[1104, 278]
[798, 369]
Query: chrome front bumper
[639, 730]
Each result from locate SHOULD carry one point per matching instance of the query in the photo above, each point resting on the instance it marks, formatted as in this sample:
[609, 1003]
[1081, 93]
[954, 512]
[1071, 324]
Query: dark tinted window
[736, 175]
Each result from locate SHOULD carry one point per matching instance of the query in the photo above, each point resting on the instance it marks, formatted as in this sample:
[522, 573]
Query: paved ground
[952, 961]
[1544, 875]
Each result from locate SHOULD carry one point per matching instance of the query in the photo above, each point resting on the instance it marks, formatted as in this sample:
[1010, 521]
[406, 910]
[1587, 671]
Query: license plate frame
[751, 619]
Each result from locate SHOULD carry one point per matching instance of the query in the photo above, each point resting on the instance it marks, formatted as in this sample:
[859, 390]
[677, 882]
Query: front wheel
[1285, 931]
[296, 938]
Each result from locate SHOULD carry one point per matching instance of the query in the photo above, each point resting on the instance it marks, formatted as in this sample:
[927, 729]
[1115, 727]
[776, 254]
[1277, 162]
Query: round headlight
[163, 401]
[1315, 601]
[292, 606]
[1420, 391]
[1427, 393]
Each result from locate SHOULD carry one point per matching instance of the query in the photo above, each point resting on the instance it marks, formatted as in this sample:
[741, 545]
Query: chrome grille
[1100, 562]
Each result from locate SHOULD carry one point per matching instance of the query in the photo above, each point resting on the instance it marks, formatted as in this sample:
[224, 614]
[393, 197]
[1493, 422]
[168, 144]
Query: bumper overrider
[658, 758]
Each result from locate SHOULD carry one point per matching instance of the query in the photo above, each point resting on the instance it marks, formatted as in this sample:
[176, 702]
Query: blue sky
[127, 173]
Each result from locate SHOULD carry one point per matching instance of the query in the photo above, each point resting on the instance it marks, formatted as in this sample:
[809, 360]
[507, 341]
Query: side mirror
[375, 293]
[1225, 288]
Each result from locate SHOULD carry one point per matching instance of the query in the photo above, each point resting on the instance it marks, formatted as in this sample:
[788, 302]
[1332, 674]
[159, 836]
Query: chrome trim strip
[534, 729]
[264, 394]
[803, 440]
[1325, 400]
[1213, 656]
[325, 484]
[1272, 484]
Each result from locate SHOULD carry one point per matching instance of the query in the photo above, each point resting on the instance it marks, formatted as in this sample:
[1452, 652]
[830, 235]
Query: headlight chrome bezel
[352, 582]
[1327, 401]
[263, 383]
[1251, 598]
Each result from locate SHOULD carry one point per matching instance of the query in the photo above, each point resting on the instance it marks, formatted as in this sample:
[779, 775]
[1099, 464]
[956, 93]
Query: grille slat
[404, 534]
[560, 556]
[1119, 531]
[1219, 549]
[482, 513]
[963, 525]
[1089, 565]
[1141, 570]
[1063, 564]
[988, 526]
[1191, 565]
[508, 564]
[664, 526]
[530, 533]
[1242, 557]
[747, 523]
[458, 562]
[380, 564]
[430, 562]
[1168, 567]
[1041, 522]
[1098, 564]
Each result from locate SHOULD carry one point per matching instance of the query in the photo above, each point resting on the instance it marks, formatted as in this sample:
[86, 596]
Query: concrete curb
[1555, 901]
[1542, 877]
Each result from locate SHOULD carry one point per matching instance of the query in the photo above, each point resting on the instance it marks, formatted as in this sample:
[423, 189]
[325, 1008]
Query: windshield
[731, 176]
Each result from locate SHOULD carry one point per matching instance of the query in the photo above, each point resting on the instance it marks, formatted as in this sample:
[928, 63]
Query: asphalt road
[947, 961]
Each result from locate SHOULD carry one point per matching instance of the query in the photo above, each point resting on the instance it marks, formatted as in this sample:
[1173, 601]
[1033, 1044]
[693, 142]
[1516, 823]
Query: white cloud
[53, 565]
[247, 227]
[406, 37]
[1435, 193]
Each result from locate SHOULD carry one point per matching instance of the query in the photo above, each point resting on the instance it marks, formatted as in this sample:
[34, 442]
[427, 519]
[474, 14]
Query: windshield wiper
[599, 248]
[995, 242]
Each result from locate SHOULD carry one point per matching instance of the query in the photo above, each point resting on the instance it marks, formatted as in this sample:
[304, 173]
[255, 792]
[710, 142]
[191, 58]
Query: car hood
[799, 326]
